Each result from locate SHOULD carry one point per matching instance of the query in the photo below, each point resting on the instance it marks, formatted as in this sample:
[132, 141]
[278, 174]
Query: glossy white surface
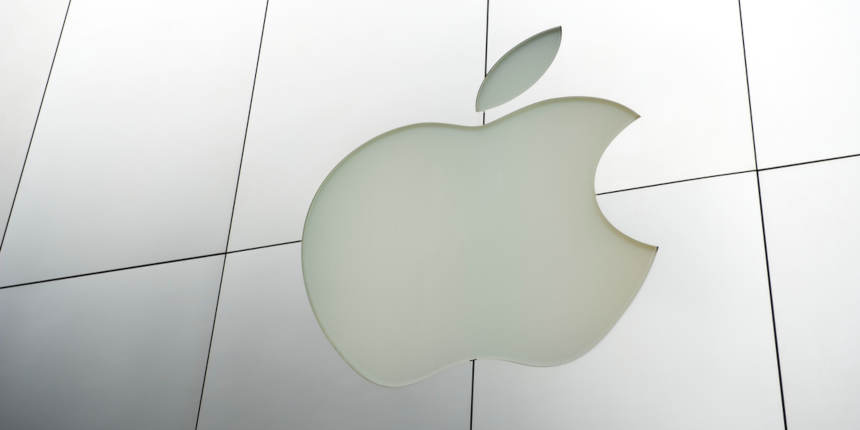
[679, 64]
[271, 366]
[120, 350]
[135, 160]
[333, 76]
[695, 348]
[814, 242]
[28, 36]
[135, 156]
[803, 65]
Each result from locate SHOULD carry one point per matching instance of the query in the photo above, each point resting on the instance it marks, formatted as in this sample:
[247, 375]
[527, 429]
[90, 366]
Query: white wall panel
[694, 350]
[804, 60]
[814, 244]
[272, 367]
[136, 153]
[334, 75]
[679, 64]
[120, 350]
[28, 36]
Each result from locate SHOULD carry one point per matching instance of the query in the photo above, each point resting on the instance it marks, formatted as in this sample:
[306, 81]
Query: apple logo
[434, 244]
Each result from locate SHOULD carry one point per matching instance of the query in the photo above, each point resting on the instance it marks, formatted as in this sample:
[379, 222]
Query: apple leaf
[518, 69]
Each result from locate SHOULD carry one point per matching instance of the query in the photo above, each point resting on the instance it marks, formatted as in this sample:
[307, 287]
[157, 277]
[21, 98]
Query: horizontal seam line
[803, 163]
[763, 169]
[178, 260]
[140, 266]
[676, 182]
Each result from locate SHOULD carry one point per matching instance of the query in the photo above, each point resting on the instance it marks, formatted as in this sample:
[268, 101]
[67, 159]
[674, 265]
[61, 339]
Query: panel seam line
[761, 217]
[232, 214]
[35, 124]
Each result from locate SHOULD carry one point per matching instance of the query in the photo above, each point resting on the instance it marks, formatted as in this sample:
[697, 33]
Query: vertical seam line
[483, 122]
[232, 213]
[761, 217]
[35, 123]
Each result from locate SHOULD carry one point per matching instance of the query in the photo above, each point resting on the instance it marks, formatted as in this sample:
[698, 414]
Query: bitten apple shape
[434, 244]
